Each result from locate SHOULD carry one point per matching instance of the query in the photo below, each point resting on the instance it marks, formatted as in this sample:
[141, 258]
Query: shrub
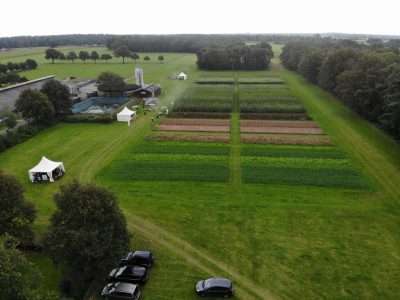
[88, 118]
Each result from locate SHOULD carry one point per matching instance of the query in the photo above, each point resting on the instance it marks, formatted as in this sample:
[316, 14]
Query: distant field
[314, 221]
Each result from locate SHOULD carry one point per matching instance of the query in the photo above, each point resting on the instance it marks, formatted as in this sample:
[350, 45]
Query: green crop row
[182, 148]
[292, 151]
[157, 169]
[324, 177]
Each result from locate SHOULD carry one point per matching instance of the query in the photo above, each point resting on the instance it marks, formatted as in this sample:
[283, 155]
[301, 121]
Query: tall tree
[122, 51]
[135, 57]
[72, 56]
[58, 95]
[84, 55]
[35, 107]
[94, 55]
[106, 57]
[52, 54]
[111, 83]
[87, 234]
[16, 214]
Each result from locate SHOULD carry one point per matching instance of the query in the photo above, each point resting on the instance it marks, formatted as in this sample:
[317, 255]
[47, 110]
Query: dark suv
[138, 258]
[121, 291]
[132, 274]
[217, 287]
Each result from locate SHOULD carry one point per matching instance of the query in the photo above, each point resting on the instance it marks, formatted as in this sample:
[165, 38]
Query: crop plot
[281, 127]
[196, 125]
[299, 165]
[165, 161]
[285, 139]
[205, 98]
[190, 137]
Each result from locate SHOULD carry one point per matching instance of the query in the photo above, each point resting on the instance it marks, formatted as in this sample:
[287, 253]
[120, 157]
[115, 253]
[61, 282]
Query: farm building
[182, 76]
[151, 90]
[81, 89]
[9, 95]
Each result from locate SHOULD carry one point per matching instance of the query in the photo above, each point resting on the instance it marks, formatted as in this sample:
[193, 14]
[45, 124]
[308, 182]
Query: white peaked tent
[126, 115]
[182, 76]
[46, 170]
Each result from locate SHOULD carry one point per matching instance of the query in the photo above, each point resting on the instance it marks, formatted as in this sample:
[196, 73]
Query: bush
[87, 118]
[20, 135]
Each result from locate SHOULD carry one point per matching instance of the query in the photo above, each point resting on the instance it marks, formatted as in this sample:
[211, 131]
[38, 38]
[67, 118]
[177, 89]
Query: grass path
[246, 288]
[376, 153]
[235, 169]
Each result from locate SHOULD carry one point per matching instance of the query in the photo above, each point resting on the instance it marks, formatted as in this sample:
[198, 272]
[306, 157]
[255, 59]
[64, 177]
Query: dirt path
[246, 288]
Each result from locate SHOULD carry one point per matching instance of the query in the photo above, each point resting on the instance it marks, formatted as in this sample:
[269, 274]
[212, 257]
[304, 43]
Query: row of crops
[172, 161]
[299, 165]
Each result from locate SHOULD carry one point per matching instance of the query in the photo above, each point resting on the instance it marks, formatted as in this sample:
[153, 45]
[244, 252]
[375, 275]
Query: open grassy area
[283, 236]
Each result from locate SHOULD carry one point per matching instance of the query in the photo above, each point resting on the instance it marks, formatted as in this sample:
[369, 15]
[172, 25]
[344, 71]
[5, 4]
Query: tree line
[238, 57]
[9, 71]
[190, 43]
[54, 54]
[123, 51]
[365, 77]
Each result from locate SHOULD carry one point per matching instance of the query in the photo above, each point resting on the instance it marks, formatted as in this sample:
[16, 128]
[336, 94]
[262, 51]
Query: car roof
[123, 287]
[218, 282]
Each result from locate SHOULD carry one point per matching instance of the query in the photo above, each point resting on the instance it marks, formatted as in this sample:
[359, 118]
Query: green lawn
[283, 238]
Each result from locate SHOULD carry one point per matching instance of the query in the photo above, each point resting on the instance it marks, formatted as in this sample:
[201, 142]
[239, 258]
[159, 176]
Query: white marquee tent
[182, 76]
[46, 170]
[126, 115]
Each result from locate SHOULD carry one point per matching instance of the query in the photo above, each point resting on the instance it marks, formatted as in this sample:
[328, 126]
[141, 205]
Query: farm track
[235, 167]
[246, 288]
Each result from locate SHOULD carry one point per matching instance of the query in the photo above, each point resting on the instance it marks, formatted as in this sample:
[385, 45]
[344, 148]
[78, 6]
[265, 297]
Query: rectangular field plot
[195, 125]
[205, 98]
[323, 172]
[292, 151]
[164, 161]
[268, 99]
[284, 127]
[285, 139]
[216, 137]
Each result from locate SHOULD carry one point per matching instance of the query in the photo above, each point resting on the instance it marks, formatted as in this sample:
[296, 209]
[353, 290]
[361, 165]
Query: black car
[139, 258]
[217, 287]
[121, 291]
[131, 274]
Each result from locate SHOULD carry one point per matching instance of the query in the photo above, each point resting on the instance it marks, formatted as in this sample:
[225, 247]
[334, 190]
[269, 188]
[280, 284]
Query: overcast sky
[44, 17]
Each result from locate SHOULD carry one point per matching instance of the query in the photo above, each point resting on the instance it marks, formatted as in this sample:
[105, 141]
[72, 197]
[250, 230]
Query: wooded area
[364, 77]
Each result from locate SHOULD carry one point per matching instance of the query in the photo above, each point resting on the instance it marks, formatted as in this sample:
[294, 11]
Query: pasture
[315, 221]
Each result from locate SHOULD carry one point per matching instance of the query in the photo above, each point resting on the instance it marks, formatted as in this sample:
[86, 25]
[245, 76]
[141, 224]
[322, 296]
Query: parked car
[138, 258]
[121, 291]
[217, 287]
[131, 274]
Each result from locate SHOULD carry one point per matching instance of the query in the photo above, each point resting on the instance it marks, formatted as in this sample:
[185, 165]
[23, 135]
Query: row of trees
[87, 234]
[54, 54]
[366, 78]
[240, 57]
[29, 64]
[8, 71]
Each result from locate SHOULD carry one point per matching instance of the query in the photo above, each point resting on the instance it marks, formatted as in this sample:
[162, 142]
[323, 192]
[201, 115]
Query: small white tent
[126, 115]
[182, 76]
[46, 170]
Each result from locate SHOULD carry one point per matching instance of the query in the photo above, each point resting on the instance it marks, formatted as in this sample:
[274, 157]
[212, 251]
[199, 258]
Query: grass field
[321, 223]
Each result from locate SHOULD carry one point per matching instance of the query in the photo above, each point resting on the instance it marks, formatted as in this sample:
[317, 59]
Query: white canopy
[126, 115]
[182, 76]
[46, 167]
